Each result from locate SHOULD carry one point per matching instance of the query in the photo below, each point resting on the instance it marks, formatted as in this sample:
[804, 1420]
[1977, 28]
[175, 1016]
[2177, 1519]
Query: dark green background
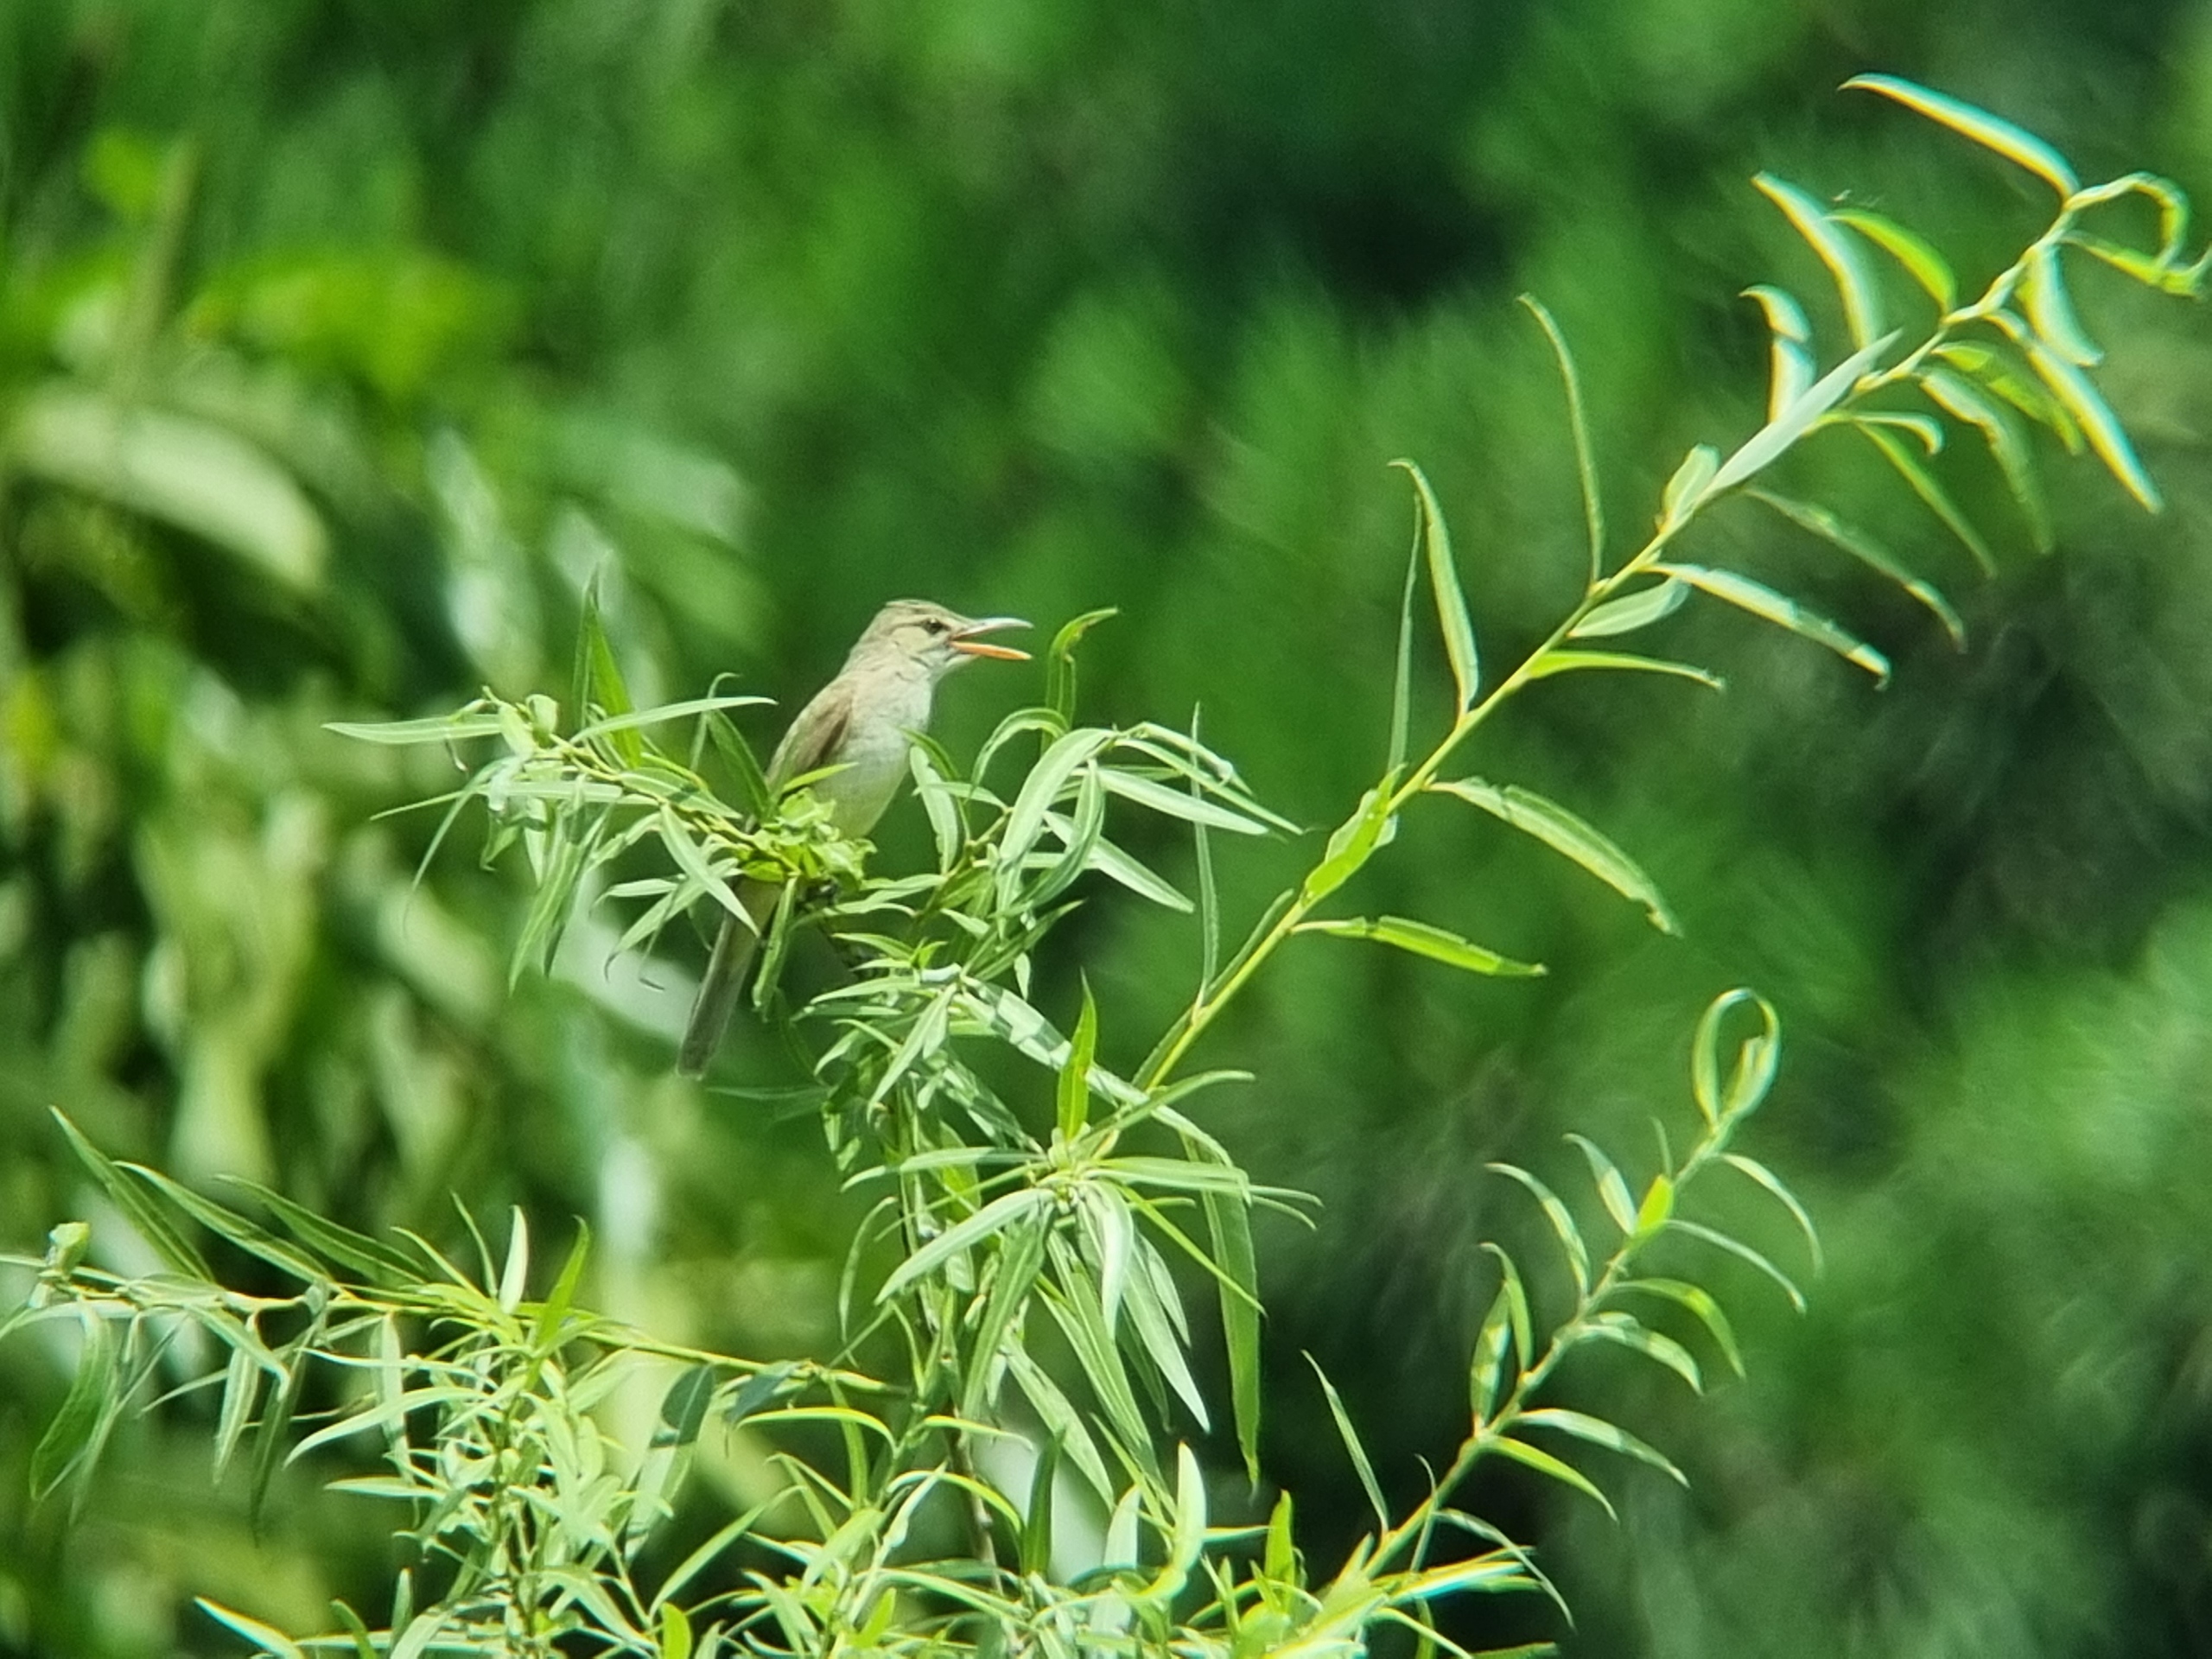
[780, 309]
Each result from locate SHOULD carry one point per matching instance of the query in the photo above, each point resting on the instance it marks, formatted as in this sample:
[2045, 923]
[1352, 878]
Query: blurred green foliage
[341, 343]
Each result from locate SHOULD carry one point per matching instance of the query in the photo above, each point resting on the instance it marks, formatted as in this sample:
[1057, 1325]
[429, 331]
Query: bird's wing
[815, 736]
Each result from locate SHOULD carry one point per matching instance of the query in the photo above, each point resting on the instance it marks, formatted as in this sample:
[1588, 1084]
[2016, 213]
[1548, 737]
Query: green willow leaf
[1186, 804]
[1517, 1302]
[2050, 310]
[1633, 1334]
[1688, 487]
[1908, 248]
[1459, 629]
[1074, 1092]
[1868, 551]
[1560, 660]
[1059, 661]
[71, 1438]
[1535, 1457]
[1854, 284]
[1630, 612]
[1564, 832]
[1351, 844]
[1586, 466]
[1612, 1187]
[1562, 1221]
[1775, 1185]
[1959, 396]
[597, 677]
[438, 728]
[140, 1207]
[2012, 381]
[1772, 440]
[1742, 1252]
[1358, 1453]
[1762, 602]
[2099, 424]
[1486, 1366]
[1598, 1432]
[1699, 1301]
[2020, 148]
[1423, 940]
[998, 1216]
[1791, 372]
[1933, 495]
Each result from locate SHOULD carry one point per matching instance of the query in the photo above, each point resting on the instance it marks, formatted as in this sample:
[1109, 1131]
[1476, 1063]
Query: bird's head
[934, 638]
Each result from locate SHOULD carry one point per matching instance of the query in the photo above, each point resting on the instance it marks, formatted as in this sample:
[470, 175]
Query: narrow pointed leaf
[1459, 629]
[1742, 1252]
[1633, 1333]
[2099, 424]
[1790, 369]
[2050, 310]
[1962, 397]
[1612, 1187]
[1561, 661]
[1075, 1076]
[2022, 149]
[1862, 304]
[1564, 832]
[1908, 248]
[1763, 602]
[1586, 466]
[1358, 1453]
[1423, 940]
[1933, 495]
[1562, 1221]
[1689, 486]
[1698, 1301]
[1535, 1457]
[1868, 551]
[1774, 1183]
[1598, 1432]
[1770, 441]
[1630, 612]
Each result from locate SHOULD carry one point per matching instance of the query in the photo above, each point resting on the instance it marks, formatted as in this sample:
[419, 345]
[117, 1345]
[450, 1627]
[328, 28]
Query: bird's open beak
[966, 640]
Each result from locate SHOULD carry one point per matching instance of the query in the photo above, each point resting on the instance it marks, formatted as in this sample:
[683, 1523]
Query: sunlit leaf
[1059, 662]
[1774, 1183]
[1358, 1453]
[1862, 305]
[1935, 497]
[1586, 466]
[1782, 430]
[1598, 1432]
[1437, 944]
[2021, 148]
[1962, 397]
[1612, 1188]
[1763, 602]
[1699, 1301]
[1908, 248]
[2101, 427]
[1868, 551]
[1688, 487]
[2050, 310]
[1630, 612]
[1743, 1252]
[1535, 1457]
[1790, 370]
[1562, 1221]
[266, 1638]
[1444, 581]
[1564, 832]
[1561, 660]
[1633, 1333]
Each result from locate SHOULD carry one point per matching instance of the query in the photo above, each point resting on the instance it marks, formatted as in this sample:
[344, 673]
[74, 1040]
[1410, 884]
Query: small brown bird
[861, 723]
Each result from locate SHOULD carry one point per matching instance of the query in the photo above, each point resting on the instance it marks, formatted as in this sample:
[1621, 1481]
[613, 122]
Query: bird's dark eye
[938, 624]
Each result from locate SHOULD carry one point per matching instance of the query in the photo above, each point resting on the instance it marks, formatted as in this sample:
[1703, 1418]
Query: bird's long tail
[725, 978]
